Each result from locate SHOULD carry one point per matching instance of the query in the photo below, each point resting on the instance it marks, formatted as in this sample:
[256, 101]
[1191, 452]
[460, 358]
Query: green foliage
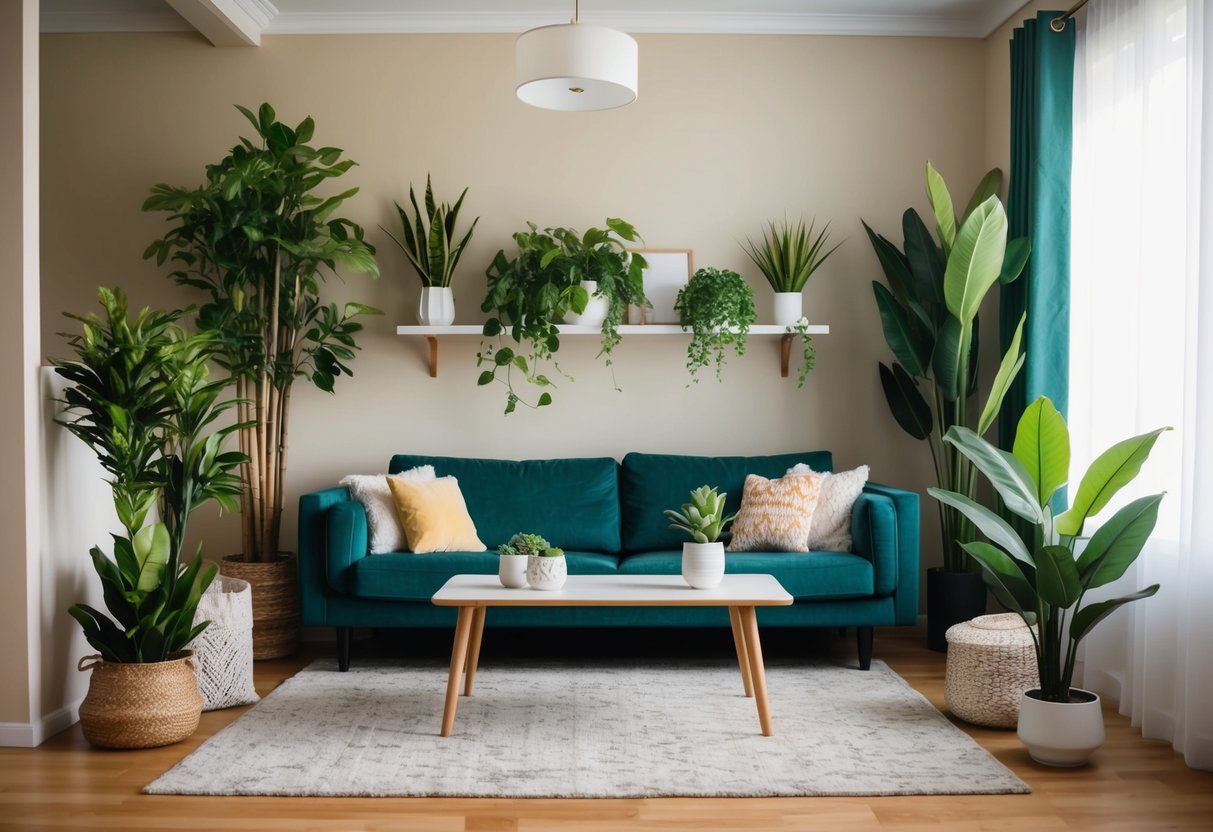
[524, 544]
[717, 305]
[141, 397]
[1046, 585]
[429, 242]
[788, 255]
[703, 518]
[808, 351]
[529, 295]
[928, 309]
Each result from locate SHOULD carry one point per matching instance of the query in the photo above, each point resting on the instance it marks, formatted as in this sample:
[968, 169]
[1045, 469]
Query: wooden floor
[1132, 785]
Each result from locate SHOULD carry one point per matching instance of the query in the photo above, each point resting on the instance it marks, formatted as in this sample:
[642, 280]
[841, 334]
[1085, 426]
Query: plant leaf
[1006, 473]
[1012, 361]
[989, 186]
[1111, 471]
[903, 339]
[1092, 614]
[1112, 549]
[905, 401]
[941, 204]
[1057, 576]
[976, 260]
[1042, 444]
[1004, 578]
[1015, 259]
[987, 522]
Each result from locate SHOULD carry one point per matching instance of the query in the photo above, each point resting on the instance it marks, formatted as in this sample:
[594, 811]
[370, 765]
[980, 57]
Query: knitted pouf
[991, 662]
[224, 650]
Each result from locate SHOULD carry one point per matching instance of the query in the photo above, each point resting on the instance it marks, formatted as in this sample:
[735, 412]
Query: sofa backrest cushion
[651, 483]
[574, 503]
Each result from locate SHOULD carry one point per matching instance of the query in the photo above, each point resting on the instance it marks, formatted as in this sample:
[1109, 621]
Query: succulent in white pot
[703, 518]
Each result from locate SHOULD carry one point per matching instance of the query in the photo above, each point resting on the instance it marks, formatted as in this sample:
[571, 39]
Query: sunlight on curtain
[1142, 343]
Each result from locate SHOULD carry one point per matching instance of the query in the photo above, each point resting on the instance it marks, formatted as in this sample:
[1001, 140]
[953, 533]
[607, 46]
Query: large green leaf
[1112, 549]
[951, 359]
[907, 404]
[926, 261]
[152, 549]
[1004, 577]
[1092, 614]
[1006, 473]
[987, 522]
[1015, 260]
[909, 343]
[989, 186]
[1111, 471]
[976, 260]
[1012, 361]
[941, 204]
[893, 264]
[1042, 444]
[1057, 576]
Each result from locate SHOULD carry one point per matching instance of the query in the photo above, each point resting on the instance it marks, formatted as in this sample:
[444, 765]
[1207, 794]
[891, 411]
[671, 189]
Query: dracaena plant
[139, 394]
[1047, 582]
[788, 254]
[428, 240]
[703, 518]
[928, 312]
[529, 295]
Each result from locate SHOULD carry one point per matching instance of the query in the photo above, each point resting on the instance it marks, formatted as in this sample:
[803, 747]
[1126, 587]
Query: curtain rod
[1058, 24]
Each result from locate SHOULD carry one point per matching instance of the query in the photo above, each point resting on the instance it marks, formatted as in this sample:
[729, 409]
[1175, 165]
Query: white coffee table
[474, 594]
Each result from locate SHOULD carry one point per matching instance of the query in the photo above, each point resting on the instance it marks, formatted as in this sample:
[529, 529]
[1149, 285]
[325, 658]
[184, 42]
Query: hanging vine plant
[717, 305]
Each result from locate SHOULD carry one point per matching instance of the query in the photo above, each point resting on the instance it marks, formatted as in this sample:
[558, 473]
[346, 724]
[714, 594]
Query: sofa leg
[343, 648]
[865, 647]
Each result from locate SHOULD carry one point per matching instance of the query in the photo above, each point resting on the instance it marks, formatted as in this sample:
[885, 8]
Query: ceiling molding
[997, 13]
[223, 22]
[718, 23]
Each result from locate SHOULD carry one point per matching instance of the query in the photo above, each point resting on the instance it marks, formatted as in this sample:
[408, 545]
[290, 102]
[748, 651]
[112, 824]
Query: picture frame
[668, 271]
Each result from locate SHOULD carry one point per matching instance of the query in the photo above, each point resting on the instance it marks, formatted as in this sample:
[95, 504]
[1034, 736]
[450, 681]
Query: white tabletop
[615, 591]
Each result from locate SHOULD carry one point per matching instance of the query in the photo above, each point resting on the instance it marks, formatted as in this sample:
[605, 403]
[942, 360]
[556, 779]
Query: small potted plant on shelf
[717, 306]
[514, 554]
[704, 520]
[787, 256]
[1046, 583]
[557, 276]
[545, 565]
[428, 241]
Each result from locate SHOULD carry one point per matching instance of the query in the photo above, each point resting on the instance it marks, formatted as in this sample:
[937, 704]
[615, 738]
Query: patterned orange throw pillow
[775, 515]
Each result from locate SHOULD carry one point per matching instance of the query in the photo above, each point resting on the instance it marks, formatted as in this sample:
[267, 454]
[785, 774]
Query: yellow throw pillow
[775, 515]
[434, 516]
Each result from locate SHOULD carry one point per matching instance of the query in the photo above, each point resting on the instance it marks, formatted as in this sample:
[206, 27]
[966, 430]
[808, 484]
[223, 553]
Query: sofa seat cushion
[803, 575]
[409, 577]
[574, 503]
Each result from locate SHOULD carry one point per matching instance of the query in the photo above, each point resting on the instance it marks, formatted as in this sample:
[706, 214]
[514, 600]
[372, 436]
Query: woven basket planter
[991, 662]
[275, 603]
[224, 650]
[132, 705]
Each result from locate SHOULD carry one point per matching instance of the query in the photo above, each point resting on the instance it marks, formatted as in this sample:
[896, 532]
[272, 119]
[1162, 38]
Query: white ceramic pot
[703, 564]
[436, 307]
[511, 570]
[546, 573]
[595, 310]
[1061, 733]
[788, 308]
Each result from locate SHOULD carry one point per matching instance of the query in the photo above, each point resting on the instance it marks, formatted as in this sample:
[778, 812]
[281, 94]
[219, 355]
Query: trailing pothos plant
[530, 294]
[140, 396]
[717, 306]
[928, 311]
[259, 241]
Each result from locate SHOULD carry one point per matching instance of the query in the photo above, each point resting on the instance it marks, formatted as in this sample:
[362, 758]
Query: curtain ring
[1058, 24]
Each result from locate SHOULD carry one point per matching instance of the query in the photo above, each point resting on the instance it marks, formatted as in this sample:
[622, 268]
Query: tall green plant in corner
[929, 314]
[259, 241]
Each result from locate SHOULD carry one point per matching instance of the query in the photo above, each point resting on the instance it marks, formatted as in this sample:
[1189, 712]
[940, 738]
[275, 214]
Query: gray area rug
[607, 730]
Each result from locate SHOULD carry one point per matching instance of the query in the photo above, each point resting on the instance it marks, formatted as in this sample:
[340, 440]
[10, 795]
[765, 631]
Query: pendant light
[574, 66]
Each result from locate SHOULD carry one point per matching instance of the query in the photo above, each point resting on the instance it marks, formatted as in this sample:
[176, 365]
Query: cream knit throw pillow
[775, 515]
[383, 523]
[831, 529]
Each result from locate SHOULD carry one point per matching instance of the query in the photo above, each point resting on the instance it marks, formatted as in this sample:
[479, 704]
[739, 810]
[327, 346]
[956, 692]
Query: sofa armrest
[313, 552]
[885, 529]
[346, 535]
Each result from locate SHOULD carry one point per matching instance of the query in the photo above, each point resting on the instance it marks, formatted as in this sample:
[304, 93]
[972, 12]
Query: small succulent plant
[703, 518]
[529, 544]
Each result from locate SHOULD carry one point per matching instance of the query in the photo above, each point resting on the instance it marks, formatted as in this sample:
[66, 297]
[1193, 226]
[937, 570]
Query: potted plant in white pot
[787, 256]
[258, 240]
[139, 395]
[1046, 583]
[717, 306]
[428, 241]
[704, 520]
[514, 555]
[546, 568]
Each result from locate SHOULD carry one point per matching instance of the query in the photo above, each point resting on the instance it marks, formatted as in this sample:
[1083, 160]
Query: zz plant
[703, 518]
[1046, 582]
[529, 295]
[717, 306]
[428, 240]
[140, 396]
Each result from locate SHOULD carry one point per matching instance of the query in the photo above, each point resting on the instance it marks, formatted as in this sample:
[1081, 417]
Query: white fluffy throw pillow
[831, 529]
[383, 523]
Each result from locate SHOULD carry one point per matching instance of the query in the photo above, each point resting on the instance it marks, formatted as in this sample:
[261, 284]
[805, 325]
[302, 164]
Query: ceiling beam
[226, 22]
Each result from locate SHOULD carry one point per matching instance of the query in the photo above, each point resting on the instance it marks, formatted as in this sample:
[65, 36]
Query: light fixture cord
[576, 11]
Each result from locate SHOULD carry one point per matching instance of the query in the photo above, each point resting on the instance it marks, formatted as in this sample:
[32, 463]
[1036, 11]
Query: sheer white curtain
[1142, 342]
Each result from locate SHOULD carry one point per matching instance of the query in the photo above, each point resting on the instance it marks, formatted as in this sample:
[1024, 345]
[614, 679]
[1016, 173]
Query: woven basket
[275, 603]
[991, 662]
[140, 705]
[224, 650]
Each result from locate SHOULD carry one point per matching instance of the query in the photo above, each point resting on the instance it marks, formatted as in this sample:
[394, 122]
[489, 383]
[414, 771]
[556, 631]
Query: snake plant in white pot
[1046, 583]
[704, 520]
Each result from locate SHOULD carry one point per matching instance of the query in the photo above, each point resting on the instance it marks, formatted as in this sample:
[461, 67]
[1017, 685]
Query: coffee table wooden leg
[749, 622]
[743, 657]
[474, 649]
[459, 652]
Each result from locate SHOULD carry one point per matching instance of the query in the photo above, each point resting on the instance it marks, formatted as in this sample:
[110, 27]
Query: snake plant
[429, 243]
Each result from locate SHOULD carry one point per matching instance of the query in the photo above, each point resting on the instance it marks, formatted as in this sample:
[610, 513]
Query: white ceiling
[946, 18]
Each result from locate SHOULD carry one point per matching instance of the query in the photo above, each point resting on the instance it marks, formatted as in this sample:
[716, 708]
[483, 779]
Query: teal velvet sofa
[607, 516]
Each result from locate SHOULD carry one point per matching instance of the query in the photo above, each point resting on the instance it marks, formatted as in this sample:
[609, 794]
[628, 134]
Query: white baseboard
[31, 735]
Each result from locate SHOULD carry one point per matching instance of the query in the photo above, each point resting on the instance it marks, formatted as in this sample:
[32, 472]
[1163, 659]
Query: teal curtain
[1042, 94]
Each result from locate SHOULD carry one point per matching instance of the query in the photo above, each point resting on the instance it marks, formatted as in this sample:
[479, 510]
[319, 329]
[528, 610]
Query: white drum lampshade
[575, 66]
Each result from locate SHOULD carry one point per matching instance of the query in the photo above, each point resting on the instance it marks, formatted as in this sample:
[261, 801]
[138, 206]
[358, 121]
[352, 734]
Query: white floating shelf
[433, 333]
